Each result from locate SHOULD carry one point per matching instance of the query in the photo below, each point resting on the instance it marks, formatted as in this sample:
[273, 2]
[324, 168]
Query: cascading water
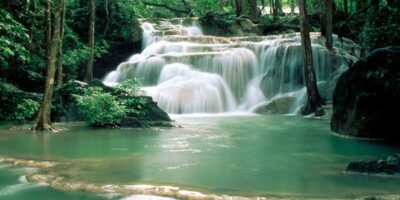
[188, 72]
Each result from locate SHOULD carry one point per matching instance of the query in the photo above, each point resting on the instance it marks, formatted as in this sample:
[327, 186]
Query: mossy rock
[64, 105]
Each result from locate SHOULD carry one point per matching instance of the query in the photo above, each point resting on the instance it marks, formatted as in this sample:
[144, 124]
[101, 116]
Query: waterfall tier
[188, 72]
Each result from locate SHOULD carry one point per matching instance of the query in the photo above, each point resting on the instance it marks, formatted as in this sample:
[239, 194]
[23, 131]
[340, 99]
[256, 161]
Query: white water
[188, 72]
[22, 183]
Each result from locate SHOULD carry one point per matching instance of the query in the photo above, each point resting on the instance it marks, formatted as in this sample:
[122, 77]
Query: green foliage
[128, 94]
[13, 40]
[16, 105]
[24, 111]
[22, 54]
[202, 7]
[100, 109]
[381, 29]
[266, 20]
[130, 87]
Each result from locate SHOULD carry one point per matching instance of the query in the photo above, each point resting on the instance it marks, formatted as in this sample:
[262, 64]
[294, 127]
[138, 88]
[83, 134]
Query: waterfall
[188, 72]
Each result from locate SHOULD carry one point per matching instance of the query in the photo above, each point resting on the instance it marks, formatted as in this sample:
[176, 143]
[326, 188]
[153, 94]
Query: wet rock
[389, 166]
[40, 178]
[131, 122]
[27, 163]
[277, 106]
[367, 95]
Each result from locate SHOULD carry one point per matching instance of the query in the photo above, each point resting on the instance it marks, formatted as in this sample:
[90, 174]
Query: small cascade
[188, 72]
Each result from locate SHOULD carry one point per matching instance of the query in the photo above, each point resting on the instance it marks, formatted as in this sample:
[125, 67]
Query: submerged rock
[367, 96]
[389, 166]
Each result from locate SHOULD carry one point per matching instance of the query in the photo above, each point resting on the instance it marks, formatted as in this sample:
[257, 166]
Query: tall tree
[328, 24]
[314, 100]
[60, 52]
[109, 13]
[292, 6]
[89, 68]
[249, 8]
[43, 121]
[346, 8]
[237, 4]
[276, 7]
[322, 7]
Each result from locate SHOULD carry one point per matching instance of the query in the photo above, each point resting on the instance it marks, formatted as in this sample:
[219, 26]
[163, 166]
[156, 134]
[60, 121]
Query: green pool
[244, 155]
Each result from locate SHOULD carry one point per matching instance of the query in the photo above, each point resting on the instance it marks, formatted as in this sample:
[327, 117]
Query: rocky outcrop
[390, 166]
[64, 106]
[366, 99]
[277, 106]
[119, 52]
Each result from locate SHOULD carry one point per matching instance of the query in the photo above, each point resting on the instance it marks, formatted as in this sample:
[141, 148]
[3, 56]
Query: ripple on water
[180, 166]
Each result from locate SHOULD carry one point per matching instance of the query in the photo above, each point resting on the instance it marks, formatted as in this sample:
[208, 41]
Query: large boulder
[366, 99]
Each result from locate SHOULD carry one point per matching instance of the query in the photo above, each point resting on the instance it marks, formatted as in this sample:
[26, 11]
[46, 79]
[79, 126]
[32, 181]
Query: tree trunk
[346, 8]
[249, 8]
[279, 6]
[89, 68]
[274, 11]
[60, 52]
[277, 10]
[271, 7]
[314, 100]
[254, 14]
[43, 121]
[328, 29]
[322, 16]
[292, 6]
[108, 10]
[238, 8]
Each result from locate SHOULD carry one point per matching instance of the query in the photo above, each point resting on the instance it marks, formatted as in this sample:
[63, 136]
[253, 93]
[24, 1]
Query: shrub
[130, 87]
[128, 93]
[100, 109]
[24, 111]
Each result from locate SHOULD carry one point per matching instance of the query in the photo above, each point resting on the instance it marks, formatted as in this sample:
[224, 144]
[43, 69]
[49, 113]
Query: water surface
[236, 155]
